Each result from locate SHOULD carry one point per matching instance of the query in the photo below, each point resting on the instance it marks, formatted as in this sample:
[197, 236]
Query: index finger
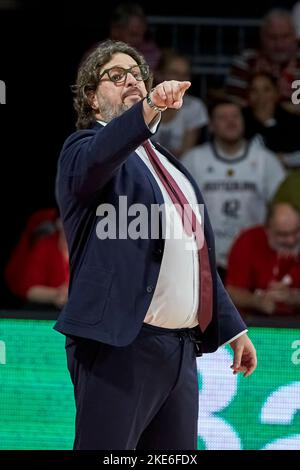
[184, 85]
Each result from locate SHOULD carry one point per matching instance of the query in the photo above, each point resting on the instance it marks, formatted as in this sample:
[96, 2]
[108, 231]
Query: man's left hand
[244, 355]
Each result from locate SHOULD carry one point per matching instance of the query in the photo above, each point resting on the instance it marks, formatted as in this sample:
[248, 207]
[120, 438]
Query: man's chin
[132, 99]
[232, 139]
[285, 252]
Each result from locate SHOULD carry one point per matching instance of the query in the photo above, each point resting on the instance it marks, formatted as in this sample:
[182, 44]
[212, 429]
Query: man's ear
[92, 99]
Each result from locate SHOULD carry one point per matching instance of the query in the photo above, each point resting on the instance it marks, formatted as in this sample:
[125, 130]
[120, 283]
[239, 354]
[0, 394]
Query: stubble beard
[109, 112]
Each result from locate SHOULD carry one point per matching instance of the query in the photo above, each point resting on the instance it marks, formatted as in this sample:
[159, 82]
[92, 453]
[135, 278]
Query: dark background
[41, 43]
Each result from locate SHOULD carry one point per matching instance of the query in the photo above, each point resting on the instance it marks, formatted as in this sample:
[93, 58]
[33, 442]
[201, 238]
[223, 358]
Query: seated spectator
[39, 224]
[289, 190]
[180, 130]
[46, 275]
[129, 24]
[264, 265]
[237, 178]
[265, 116]
[279, 55]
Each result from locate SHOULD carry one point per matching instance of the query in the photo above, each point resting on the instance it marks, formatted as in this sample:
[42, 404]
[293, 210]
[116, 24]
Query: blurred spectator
[296, 18]
[129, 24]
[264, 265]
[237, 178]
[289, 190]
[265, 116]
[179, 130]
[38, 270]
[39, 224]
[279, 56]
[46, 274]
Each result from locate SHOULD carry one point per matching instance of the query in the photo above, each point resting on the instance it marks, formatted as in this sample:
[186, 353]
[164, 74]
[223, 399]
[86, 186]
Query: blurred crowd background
[238, 133]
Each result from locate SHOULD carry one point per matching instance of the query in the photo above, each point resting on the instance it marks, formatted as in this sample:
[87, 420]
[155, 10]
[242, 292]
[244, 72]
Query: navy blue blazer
[112, 281]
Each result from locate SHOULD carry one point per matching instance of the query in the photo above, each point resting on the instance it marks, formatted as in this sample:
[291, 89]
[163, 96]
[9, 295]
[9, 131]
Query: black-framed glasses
[119, 74]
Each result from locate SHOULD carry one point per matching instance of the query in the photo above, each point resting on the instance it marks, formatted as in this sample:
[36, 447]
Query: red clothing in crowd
[251, 62]
[18, 260]
[46, 264]
[253, 264]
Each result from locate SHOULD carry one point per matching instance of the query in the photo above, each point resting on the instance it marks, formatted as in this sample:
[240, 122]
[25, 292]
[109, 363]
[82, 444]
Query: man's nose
[130, 79]
[279, 45]
[290, 241]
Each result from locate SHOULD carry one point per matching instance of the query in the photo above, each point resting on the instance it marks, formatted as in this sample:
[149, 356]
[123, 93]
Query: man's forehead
[225, 109]
[278, 25]
[121, 60]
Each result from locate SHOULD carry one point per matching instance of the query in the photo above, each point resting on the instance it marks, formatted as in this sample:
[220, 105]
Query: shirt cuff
[154, 123]
[235, 337]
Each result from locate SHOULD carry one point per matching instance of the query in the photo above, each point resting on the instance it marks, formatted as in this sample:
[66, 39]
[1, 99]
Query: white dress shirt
[175, 300]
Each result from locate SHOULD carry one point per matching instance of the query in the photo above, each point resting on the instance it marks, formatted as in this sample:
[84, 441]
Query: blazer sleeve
[230, 321]
[89, 158]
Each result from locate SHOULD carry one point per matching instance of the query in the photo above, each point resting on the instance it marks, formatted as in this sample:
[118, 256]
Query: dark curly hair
[88, 77]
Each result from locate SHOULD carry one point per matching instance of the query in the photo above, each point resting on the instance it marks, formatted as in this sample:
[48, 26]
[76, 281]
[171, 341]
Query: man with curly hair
[140, 308]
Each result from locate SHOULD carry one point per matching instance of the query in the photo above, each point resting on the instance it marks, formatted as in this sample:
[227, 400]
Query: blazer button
[149, 289]
[157, 254]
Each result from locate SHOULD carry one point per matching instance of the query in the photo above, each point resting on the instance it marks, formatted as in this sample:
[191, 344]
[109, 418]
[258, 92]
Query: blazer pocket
[89, 298]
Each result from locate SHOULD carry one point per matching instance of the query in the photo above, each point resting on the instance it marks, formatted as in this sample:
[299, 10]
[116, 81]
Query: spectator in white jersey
[180, 129]
[237, 177]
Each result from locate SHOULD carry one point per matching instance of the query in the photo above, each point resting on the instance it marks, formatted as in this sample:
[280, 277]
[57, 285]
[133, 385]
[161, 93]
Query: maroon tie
[191, 225]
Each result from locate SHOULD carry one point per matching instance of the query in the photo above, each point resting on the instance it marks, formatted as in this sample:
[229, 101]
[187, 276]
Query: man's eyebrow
[122, 66]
